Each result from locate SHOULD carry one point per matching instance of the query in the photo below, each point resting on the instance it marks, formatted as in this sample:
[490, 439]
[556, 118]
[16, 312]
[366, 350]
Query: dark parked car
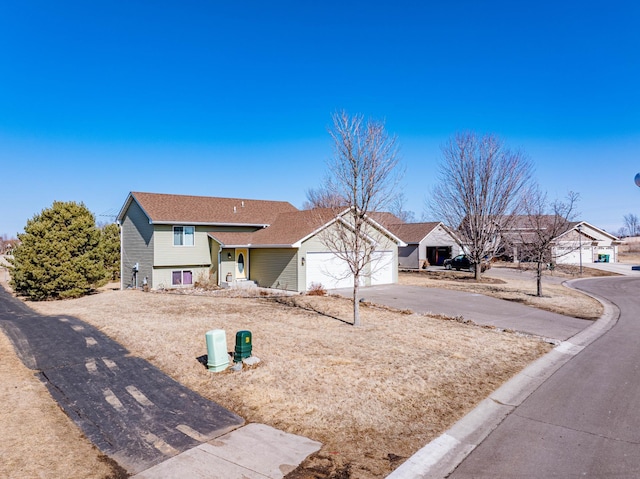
[462, 261]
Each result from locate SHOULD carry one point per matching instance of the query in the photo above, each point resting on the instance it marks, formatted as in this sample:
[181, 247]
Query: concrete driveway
[478, 308]
[620, 268]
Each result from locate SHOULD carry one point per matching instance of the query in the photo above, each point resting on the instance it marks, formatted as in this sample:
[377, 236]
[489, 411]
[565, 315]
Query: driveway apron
[127, 407]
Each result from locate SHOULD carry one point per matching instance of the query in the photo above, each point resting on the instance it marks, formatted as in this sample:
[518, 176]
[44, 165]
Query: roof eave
[199, 223]
[131, 198]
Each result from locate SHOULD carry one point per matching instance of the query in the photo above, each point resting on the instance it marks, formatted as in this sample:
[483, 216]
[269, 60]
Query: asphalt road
[128, 408]
[584, 421]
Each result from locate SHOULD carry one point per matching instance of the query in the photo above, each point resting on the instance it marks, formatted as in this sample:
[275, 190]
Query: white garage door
[328, 270]
[382, 267]
[332, 272]
[572, 255]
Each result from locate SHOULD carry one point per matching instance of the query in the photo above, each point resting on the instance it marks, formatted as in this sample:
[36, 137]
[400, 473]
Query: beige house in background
[585, 243]
[580, 243]
[173, 241]
[426, 244]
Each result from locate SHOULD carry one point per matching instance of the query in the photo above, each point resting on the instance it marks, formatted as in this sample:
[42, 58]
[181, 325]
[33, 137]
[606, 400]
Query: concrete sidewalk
[254, 451]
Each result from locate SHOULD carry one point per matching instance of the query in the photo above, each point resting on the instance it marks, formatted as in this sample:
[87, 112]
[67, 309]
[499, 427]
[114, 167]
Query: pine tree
[110, 250]
[59, 255]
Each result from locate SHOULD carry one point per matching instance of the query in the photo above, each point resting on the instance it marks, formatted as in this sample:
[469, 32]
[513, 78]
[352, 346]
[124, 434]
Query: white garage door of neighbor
[572, 255]
[328, 270]
[381, 265]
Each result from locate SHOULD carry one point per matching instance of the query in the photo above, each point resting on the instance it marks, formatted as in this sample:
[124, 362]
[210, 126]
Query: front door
[242, 263]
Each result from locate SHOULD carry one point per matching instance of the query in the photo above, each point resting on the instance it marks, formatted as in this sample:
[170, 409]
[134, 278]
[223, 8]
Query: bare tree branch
[479, 191]
[535, 233]
[363, 172]
[397, 208]
[632, 224]
[321, 198]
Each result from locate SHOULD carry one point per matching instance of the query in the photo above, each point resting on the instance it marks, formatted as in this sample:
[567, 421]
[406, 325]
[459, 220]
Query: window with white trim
[183, 235]
[181, 277]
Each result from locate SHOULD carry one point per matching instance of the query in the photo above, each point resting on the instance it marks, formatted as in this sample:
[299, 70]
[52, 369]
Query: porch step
[239, 284]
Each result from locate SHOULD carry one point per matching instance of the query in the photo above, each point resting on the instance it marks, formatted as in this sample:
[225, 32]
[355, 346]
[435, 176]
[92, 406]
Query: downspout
[219, 265]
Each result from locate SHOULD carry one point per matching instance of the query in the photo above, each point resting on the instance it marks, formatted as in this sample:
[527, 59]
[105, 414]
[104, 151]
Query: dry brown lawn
[36, 438]
[630, 258]
[372, 395]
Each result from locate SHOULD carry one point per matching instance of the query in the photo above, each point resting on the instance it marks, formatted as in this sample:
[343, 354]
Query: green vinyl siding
[227, 264]
[274, 268]
[167, 254]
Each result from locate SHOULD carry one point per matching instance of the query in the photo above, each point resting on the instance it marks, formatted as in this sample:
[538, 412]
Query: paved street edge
[442, 455]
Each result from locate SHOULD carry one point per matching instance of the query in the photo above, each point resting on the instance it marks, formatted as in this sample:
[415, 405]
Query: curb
[441, 456]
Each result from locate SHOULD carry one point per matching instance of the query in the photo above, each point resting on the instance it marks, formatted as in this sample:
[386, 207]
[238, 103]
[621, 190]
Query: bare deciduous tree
[632, 224]
[397, 208]
[540, 225]
[479, 191]
[321, 198]
[364, 172]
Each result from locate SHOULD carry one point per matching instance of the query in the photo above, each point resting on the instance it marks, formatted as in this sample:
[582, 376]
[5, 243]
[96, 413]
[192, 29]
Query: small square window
[183, 235]
[181, 277]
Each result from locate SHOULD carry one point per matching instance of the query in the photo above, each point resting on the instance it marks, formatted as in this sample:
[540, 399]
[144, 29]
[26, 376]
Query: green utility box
[243, 346]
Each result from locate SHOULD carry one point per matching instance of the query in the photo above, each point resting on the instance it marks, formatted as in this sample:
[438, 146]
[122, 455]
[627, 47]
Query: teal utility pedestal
[243, 346]
[217, 356]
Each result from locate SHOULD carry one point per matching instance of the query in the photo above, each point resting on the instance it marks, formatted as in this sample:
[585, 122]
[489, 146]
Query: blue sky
[234, 98]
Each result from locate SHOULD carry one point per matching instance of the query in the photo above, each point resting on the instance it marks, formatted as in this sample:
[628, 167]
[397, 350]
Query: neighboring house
[584, 243]
[580, 242]
[173, 241]
[427, 244]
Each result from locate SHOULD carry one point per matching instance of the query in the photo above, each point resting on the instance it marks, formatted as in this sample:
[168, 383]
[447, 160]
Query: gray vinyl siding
[137, 246]
[408, 256]
[438, 238]
[274, 268]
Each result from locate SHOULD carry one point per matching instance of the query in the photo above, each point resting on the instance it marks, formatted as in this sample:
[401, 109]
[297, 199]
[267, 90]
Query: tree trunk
[356, 300]
[478, 271]
[539, 279]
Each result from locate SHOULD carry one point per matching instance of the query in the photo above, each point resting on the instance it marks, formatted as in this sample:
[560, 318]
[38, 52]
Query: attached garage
[328, 270]
[597, 245]
[382, 265]
[332, 272]
[568, 255]
[427, 244]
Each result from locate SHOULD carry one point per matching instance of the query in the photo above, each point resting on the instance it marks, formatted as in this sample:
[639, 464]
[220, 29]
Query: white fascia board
[131, 198]
[191, 223]
[298, 243]
[364, 235]
[385, 231]
[609, 235]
